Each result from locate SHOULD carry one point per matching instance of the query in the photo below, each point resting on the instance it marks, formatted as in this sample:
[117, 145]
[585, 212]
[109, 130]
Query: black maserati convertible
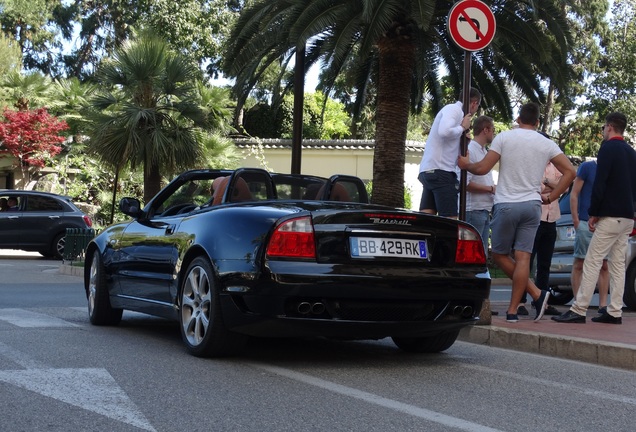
[234, 254]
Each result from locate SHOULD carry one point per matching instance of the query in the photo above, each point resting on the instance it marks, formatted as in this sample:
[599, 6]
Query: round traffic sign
[471, 25]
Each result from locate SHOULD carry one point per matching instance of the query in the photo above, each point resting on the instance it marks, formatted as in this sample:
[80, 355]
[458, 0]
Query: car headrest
[338, 193]
[240, 193]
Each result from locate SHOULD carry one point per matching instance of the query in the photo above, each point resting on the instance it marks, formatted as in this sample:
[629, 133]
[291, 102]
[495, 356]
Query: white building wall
[326, 158]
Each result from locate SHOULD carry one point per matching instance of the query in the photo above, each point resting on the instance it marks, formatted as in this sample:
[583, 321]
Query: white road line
[415, 411]
[90, 389]
[548, 383]
[25, 318]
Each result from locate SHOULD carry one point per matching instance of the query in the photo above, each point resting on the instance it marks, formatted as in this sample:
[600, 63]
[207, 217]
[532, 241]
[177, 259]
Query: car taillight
[470, 249]
[633, 233]
[88, 221]
[293, 239]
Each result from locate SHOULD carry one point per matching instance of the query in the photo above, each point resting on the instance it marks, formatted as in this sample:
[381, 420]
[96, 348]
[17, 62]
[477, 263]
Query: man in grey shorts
[522, 154]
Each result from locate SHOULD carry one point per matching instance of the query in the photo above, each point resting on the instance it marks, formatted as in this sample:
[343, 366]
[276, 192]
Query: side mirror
[130, 206]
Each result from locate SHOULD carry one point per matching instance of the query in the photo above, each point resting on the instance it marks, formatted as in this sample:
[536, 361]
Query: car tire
[629, 296]
[57, 247]
[560, 297]
[100, 311]
[429, 344]
[201, 323]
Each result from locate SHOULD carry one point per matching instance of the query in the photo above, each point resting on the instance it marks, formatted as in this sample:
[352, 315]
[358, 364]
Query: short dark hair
[473, 94]
[618, 121]
[481, 123]
[529, 114]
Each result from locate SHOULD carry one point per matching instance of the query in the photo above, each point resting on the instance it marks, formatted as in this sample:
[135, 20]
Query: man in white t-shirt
[522, 154]
[480, 189]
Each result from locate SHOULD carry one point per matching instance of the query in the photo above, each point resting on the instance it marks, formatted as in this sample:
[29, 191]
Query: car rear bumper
[370, 310]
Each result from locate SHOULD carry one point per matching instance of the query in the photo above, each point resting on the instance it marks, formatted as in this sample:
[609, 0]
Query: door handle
[170, 229]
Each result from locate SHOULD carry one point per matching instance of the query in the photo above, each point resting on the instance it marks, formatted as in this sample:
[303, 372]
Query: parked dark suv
[38, 222]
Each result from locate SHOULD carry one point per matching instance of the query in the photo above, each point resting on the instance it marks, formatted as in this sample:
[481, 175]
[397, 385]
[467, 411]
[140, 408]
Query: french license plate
[567, 233]
[384, 247]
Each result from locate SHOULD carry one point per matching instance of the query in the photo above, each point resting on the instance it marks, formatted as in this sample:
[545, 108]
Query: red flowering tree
[32, 137]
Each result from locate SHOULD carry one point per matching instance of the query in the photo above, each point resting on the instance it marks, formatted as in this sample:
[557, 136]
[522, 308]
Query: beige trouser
[609, 239]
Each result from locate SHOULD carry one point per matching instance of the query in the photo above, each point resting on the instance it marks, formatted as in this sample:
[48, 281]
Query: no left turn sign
[471, 25]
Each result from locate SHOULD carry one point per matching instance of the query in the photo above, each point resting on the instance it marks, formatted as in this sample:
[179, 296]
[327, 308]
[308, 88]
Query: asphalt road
[59, 373]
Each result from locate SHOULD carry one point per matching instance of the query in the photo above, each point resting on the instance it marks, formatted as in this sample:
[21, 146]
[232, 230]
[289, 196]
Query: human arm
[574, 200]
[483, 166]
[473, 187]
[453, 123]
[563, 164]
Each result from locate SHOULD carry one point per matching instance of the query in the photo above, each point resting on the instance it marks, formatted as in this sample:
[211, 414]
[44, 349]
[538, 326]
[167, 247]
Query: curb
[67, 269]
[609, 354]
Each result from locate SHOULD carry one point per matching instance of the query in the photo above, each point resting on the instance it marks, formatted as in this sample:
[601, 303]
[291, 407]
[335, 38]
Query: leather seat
[338, 193]
[240, 193]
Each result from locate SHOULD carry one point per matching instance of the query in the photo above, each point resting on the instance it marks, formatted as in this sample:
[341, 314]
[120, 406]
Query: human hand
[591, 223]
[463, 161]
[545, 197]
[466, 121]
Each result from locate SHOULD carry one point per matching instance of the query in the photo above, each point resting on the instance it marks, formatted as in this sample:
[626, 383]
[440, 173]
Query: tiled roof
[273, 143]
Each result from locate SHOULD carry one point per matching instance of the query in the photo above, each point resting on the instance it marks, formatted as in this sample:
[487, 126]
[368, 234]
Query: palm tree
[26, 91]
[399, 46]
[149, 113]
[73, 97]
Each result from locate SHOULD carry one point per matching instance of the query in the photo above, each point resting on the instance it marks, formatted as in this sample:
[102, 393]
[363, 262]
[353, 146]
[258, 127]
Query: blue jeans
[440, 192]
[480, 219]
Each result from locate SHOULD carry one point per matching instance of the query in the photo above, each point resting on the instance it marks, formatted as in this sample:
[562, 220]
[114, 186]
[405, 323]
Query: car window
[346, 188]
[40, 203]
[297, 186]
[258, 182]
[194, 192]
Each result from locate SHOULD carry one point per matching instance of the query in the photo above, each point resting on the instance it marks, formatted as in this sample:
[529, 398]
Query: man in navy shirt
[611, 214]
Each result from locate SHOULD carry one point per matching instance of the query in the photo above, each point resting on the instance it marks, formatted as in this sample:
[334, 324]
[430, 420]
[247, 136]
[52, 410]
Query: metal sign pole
[464, 140]
[299, 98]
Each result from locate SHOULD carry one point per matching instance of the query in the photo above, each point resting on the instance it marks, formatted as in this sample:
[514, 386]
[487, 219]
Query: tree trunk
[152, 181]
[396, 60]
[549, 110]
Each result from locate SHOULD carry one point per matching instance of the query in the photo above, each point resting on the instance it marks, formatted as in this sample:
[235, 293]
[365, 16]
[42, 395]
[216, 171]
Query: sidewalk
[602, 344]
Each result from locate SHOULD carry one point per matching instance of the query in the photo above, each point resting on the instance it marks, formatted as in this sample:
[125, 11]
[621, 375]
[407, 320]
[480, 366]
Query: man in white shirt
[522, 154]
[480, 189]
[438, 168]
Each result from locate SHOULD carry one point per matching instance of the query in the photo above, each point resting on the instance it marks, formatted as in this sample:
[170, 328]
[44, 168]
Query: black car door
[9, 227]
[145, 257]
[41, 220]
